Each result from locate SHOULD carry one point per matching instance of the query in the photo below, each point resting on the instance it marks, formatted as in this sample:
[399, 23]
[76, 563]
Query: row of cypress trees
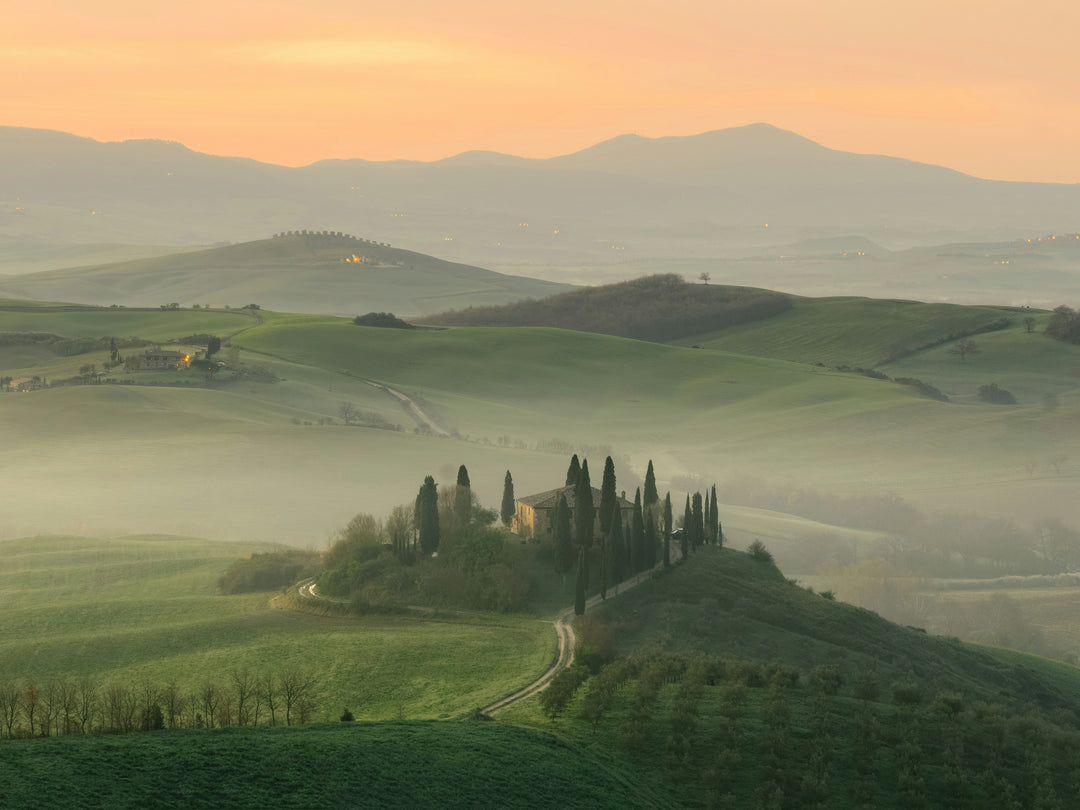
[623, 550]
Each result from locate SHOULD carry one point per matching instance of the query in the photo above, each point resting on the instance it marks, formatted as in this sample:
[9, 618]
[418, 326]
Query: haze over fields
[382, 369]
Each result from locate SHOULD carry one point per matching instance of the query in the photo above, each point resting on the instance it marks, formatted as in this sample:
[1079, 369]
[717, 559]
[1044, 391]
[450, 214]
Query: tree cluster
[67, 706]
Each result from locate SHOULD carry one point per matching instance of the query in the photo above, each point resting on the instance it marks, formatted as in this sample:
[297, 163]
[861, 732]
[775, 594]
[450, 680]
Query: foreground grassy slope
[725, 603]
[129, 608]
[390, 764]
[297, 274]
[763, 692]
[858, 332]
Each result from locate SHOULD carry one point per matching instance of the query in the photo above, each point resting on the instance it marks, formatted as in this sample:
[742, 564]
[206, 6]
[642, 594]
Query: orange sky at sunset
[991, 88]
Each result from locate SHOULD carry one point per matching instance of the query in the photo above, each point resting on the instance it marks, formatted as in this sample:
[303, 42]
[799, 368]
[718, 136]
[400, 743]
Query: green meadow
[132, 608]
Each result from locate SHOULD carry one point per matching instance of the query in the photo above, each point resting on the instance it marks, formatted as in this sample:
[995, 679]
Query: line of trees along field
[67, 706]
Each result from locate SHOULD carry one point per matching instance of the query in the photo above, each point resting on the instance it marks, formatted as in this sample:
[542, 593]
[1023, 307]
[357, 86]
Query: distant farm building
[535, 513]
[159, 359]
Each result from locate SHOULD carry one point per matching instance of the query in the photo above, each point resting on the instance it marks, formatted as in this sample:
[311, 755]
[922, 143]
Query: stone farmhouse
[535, 513]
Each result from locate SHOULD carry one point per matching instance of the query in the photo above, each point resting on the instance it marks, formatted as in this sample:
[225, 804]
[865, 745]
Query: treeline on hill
[746, 690]
[384, 320]
[66, 706]
[657, 308]
[69, 347]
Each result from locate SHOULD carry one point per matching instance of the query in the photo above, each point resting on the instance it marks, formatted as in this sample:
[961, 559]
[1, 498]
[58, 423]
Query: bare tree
[348, 412]
[31, 701]
[1029, 324]
[172, 703]
[87, 702]
[243, 685]
[268, 689]
[704, 277]
[209, 695]
[296, 686]
[10, 704]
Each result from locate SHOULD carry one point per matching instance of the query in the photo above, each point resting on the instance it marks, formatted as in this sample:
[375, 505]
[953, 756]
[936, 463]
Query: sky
[988, 87]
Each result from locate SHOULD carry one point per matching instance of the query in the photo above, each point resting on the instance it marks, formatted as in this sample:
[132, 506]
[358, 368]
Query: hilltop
[309, 272]
[653, 308]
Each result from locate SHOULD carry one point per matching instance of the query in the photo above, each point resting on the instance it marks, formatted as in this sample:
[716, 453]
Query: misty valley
[736, 518]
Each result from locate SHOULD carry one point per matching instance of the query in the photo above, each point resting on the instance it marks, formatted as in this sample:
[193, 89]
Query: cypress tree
[688, 518]
[584, 515]
[714, 519]
[564, 542]
[579, 589]
[508, 502]
[697, 522]
[637, 536]
[667, 530]
[618, 550]
[429, 517]
[463, 496]
[650, 497]
[608, 496]
[573, 472]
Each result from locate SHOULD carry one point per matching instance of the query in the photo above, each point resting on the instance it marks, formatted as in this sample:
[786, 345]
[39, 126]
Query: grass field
[376, 765]
[857, 332]
[128, 608]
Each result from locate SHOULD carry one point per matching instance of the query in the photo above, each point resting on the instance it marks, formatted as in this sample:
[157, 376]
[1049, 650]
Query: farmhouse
[159, 358]
[535, 513]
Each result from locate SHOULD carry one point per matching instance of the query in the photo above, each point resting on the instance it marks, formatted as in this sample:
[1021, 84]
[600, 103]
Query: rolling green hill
[652, 308]
[306, 273]
[735, 685]
[857, 332]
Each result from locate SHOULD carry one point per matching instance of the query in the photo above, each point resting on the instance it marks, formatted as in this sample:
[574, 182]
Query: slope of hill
[309, 273]
[857, 332]
[652, 308]
[734, 684]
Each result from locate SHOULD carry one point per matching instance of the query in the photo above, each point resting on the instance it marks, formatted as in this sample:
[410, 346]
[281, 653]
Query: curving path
[411, 407]
[564, 655]
[564, 634]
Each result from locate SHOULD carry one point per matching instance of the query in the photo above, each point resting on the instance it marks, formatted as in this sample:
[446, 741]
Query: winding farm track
[564, 655]
[564, 635]
[411, 406]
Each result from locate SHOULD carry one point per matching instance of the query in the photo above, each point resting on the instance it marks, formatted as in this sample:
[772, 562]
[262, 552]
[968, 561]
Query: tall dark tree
[564, 540]
[650, 497]
[618, 550]
[584, 515]
[668, 520]
[429, 517]
[579, 586]
[688, 518]
[509, 505]
[463, 496]
[697, 522]
[712, 524]
[573, 472]
[637, 536]
[608, 497]
[213, 346]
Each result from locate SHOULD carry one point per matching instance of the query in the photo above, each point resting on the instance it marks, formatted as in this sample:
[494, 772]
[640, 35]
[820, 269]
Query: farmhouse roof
[547, 500]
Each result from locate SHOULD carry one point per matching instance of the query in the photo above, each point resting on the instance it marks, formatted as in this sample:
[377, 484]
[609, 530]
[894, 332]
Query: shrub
[268, 572]
[998, 396]
[385, 320]
[758, 551]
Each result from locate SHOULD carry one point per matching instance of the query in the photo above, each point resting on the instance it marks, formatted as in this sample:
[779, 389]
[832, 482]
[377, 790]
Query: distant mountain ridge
[691, 196]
